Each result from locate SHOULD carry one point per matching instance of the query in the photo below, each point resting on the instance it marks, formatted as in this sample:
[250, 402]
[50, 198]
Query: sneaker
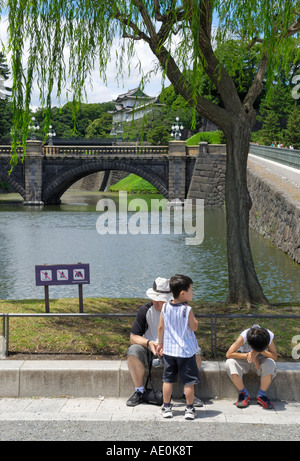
[264, 402]
[135, 399]
[243, 400]
[190, 413]
[197, 402]
[167, 412]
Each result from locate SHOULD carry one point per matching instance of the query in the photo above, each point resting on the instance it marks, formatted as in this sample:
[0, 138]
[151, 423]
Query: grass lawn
[109, 337]
[134, 184]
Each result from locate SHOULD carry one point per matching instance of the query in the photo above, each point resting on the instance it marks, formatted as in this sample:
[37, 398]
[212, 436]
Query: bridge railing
[289, 157]
[104, 150]
[6, 150]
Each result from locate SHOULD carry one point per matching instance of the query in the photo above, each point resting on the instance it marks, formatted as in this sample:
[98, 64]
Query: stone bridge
[48, 171]
[177, 171]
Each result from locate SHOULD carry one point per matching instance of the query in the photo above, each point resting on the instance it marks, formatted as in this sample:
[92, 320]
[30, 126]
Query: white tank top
[179, 339]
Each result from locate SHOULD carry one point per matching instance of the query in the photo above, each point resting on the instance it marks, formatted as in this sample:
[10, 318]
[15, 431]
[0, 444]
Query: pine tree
[293, 128]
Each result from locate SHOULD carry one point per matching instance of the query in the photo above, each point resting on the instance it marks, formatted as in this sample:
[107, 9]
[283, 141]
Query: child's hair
[258, 338]
[179, 283]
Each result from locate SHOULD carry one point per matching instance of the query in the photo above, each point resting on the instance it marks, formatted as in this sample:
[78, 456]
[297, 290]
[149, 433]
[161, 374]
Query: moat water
[124, 265]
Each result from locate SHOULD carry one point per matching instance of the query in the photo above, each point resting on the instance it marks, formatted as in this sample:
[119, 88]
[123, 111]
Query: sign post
[62, 274]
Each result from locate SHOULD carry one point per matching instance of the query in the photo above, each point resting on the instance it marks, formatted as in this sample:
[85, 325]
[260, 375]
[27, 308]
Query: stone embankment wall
[208, 181]
[275, 215]
[94, 181]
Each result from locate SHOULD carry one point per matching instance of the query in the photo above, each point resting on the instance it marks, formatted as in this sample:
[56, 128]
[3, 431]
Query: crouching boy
[254, 348]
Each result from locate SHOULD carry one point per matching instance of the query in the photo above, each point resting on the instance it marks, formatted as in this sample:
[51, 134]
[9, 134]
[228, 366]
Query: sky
[100, 92]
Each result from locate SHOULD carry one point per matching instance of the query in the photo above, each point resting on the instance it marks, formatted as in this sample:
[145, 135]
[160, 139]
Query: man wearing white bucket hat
[144, 335]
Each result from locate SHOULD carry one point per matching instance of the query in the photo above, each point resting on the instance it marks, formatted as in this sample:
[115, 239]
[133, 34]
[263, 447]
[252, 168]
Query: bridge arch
[13, 183]
[57, 185]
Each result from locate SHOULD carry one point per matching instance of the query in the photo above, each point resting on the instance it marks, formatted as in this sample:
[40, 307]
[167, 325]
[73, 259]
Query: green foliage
[159, 135]
[277, 112]
[199, 65]
[5, 104]
[292, 133]
[240, 62]
[100, 127]
[92, 120]
[135, 185]
[212, 137]
[271, 129]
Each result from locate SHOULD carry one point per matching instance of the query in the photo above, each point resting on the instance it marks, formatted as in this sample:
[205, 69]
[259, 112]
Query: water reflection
[125, 265]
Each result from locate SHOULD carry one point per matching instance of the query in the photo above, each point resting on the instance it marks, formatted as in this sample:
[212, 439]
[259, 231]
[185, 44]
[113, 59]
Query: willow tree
[182, 36]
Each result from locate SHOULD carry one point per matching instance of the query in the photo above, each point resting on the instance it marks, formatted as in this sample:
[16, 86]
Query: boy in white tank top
[178, 344]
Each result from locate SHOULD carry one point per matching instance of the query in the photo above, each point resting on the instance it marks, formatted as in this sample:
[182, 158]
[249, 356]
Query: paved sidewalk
[281, 177]
[115, 409]
[142, 428]
[282, 174]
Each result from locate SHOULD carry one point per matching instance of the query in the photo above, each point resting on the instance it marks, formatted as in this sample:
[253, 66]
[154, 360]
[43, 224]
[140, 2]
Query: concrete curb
[111, 378]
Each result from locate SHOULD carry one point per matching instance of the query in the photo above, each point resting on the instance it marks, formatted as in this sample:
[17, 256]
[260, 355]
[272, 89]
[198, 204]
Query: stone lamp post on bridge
[177, 127]
[177, 165]
[34, 127]
[51, 134]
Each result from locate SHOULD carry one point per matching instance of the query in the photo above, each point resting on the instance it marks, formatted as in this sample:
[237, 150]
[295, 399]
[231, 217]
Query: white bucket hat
[160, 290]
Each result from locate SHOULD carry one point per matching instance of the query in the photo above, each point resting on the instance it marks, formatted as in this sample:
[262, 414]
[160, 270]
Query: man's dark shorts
[185, 367]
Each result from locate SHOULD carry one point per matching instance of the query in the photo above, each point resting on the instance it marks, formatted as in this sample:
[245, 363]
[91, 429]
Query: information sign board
[62, 274]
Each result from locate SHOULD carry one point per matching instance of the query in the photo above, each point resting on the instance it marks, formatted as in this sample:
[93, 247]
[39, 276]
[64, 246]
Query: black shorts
[185, 367]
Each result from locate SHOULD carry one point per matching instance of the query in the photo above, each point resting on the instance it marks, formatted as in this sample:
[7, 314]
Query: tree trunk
[244, 286]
